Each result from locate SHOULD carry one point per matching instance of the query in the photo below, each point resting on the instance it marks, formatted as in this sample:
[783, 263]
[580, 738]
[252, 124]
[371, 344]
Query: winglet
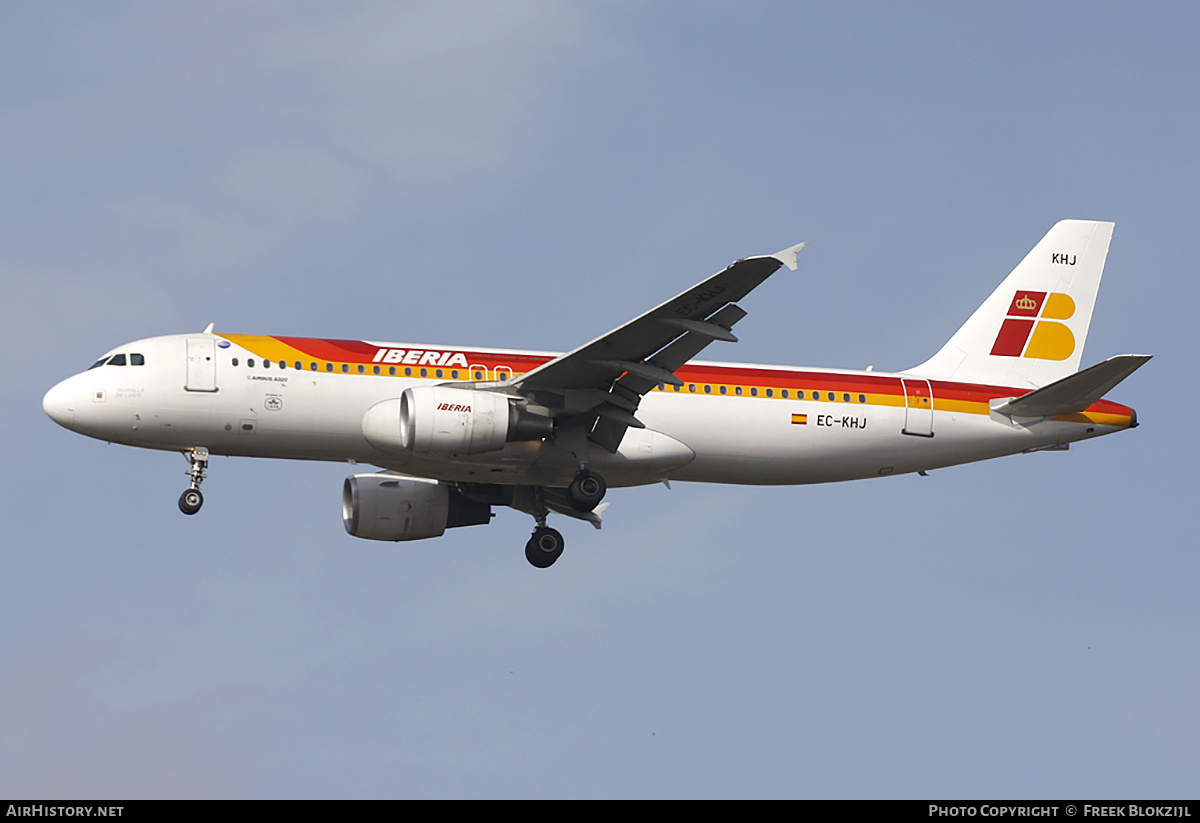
[788, 256]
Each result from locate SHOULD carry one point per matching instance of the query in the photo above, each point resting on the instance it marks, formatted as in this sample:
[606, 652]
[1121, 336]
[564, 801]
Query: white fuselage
[728, 423]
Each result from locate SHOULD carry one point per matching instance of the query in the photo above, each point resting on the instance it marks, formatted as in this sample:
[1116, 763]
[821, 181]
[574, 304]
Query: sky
[531, 175]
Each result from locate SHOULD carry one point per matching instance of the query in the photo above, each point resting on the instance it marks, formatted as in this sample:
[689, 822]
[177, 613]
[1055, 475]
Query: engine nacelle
[443, 420]
[391, 507]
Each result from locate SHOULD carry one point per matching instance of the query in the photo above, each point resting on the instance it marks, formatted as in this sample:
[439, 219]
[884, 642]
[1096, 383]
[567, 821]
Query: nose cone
[60, 402]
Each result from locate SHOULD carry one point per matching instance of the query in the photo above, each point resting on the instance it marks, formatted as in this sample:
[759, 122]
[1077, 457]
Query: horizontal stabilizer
[1073, 393]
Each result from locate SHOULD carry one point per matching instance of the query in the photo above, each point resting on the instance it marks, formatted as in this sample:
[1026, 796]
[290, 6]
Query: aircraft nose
[59, 404]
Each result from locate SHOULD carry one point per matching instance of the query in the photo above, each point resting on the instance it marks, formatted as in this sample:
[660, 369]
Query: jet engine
[442, 420]
[392, 507]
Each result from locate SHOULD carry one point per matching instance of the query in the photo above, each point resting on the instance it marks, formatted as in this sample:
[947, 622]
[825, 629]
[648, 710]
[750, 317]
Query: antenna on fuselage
[208, 329]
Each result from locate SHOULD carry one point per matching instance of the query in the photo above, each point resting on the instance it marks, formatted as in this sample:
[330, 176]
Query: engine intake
[392, 507]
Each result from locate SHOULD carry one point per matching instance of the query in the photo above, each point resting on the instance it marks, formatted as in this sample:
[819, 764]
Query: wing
[602, 382]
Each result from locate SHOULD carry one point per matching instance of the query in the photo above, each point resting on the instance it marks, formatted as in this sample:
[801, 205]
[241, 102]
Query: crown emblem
[1026, 303]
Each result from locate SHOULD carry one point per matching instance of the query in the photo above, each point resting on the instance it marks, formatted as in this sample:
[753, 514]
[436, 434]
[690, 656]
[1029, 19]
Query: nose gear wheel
[191, 500]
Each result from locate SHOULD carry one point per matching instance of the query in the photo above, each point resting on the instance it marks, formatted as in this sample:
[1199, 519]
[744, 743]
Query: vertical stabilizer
[1031, 331]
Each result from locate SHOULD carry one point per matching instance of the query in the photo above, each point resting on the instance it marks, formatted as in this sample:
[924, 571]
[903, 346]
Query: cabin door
[201, 364]
[918, 408]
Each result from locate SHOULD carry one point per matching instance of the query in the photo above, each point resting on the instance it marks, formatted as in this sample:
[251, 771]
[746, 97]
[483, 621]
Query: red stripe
[358, 351]
[1010, 342]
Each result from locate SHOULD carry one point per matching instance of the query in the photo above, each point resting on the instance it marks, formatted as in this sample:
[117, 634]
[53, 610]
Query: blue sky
[530, 175]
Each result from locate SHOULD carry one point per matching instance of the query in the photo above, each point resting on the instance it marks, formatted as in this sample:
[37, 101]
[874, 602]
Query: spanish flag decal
[800, 419]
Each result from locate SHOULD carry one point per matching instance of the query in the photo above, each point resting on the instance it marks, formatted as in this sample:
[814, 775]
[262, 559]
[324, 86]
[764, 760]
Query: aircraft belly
[772, 440]
[775, 442]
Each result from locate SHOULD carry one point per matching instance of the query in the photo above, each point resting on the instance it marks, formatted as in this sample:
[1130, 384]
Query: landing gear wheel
[586, 491]
[544, 547]
[191, 501]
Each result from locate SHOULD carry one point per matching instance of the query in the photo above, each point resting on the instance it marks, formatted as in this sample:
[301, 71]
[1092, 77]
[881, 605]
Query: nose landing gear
[191, 500]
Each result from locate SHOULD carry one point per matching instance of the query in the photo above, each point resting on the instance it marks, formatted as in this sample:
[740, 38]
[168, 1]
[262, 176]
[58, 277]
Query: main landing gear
[546, 544]
[583, 496]
[544, 547]
[191, 500]
[586, 491]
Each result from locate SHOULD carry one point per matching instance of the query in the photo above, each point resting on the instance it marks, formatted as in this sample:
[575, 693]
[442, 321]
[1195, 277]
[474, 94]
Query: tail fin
[1031, 331]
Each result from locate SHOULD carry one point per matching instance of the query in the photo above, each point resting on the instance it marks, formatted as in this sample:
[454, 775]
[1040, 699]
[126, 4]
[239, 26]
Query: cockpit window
[135, 359]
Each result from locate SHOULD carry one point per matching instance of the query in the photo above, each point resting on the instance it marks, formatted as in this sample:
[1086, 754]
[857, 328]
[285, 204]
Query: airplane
[457, 430]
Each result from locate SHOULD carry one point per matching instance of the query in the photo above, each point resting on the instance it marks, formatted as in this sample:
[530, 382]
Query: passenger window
[438, 373]
[846, 397]
[832, 396]
[784, 394]
[117, 360]
[478, 375]
[362, 369]
[312, 366]
[345, 368]
[770, 392]
[328, 367]
[800, 394]
[754, 392]
[392, 370]
[283, 364]
[266, 364]
[375, 369]
[738, 391]
[424, 372]
[235, 361]
[862, 398]
[692, 387]
[723, 390]
[299, 366]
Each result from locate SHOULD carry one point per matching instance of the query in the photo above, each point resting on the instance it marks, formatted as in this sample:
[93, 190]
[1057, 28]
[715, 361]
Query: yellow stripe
[1097, 418]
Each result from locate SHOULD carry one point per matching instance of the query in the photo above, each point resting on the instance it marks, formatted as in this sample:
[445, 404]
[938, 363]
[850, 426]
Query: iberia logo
[1031, 329]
